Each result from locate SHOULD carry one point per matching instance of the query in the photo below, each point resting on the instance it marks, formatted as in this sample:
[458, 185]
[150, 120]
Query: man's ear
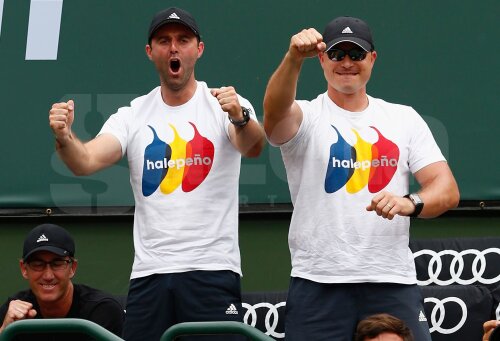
[373, 56]
[321, 57]
[74, 265]
[22, 267]
[201, 48]
[148, 51]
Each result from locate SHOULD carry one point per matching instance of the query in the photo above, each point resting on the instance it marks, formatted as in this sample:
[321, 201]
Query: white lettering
[1, 15]
[43, 29]
[197, 160]
[150, 165]
[384, 161]
[365, 164]
[178, 163]
[347, 163]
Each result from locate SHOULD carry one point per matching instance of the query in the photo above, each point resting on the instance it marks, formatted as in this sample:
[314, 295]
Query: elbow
[268, 127]
[454, 199]
[255, 150]
[272, 130]
[80, 172]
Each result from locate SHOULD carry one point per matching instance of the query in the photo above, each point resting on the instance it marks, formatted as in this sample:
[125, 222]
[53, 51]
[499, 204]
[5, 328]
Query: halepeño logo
[362, 164]
[181, 162]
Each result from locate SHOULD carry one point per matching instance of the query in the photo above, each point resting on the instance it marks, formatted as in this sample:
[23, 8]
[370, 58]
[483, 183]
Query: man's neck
[356, 102]
[178, 97]
[60, 308]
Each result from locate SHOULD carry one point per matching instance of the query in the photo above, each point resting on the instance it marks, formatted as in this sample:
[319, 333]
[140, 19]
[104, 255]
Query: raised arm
[81, 158]
[249, 139]
[282, 116]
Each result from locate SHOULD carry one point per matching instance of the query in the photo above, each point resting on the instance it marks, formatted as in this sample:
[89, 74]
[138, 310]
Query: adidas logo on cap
[42, 238]
[231, 310]
[421, 317]
[173, 16]
[347, 30]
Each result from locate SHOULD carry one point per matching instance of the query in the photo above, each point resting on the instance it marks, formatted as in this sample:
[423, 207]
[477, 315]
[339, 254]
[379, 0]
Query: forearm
[282, 88]
[73, 153]
[439, 193]
[279, 99]
[438, 200]
[249, 139]
[90, 157]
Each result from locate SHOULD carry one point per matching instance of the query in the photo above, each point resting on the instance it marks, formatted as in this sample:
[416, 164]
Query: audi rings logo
[270, 320]
[438, 314]
[457, 266]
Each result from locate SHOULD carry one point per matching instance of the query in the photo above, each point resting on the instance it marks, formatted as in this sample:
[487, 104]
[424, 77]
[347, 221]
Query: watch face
[416, 199]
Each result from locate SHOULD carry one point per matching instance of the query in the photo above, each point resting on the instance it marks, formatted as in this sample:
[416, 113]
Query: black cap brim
[56, 250]
[171, 21]
[360, 42]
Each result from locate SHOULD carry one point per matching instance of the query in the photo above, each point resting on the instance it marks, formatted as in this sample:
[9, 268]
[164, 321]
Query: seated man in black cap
[49, 265]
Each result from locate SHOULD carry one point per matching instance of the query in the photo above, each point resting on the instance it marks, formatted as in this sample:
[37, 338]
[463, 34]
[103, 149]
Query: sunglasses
[55, 265]
[356, 54]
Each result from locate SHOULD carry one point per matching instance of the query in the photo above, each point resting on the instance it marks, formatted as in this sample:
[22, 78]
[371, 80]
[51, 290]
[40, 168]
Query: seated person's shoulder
[100, 307]
[91, 298]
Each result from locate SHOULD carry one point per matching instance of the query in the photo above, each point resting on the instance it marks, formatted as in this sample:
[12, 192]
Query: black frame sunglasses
[356, 54]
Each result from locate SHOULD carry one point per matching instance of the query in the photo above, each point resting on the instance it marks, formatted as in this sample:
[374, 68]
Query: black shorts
[157, 302]
[319, 311]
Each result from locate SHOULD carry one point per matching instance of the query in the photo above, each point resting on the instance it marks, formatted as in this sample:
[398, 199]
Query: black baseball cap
[49, 237]
[350, 29]
[173, 15]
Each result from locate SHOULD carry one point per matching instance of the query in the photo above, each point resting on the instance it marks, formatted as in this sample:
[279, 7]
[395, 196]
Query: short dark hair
[377, 324]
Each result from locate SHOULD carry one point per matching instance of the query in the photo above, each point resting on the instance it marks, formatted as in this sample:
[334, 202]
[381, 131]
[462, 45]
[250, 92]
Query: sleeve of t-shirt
[301, 137]
[117, 125]
[108, 314]
[423, 147]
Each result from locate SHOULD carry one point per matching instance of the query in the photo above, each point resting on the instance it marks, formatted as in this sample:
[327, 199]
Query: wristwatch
[244, 121]
[417, 201]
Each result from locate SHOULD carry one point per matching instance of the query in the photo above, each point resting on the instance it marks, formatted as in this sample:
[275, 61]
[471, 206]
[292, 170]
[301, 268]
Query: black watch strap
[417, 201]
[244, 121]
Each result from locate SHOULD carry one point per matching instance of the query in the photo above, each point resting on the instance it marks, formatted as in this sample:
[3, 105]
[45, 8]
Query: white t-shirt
[184, 173]
[335, 165]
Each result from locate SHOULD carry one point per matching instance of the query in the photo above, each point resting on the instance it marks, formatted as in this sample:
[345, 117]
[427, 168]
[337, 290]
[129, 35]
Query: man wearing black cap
[48, 264]
[184, 143]
[348, 158]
